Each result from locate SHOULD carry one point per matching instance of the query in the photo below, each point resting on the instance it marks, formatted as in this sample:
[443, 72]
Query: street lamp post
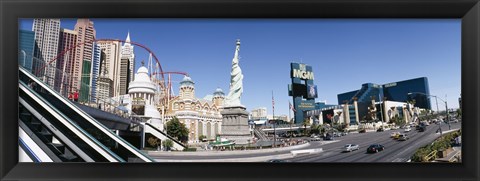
[274, 133]
[446, 107]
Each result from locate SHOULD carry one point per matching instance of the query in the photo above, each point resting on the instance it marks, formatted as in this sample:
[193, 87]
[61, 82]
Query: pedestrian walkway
[448, 131]
[454, 156]
[249, 159]
[233, 152]
[275, 154]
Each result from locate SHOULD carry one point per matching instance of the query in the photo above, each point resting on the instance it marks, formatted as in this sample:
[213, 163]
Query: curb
[242, 152]
[252, 159]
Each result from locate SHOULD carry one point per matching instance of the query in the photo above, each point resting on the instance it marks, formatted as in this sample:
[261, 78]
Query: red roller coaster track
[180, 73]
[113, 40]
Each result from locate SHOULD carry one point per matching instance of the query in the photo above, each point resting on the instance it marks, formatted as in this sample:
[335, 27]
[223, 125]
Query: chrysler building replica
[235, 118]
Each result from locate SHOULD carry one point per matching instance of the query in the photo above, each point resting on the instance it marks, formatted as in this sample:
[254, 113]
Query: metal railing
[62, 81]
[431, 156]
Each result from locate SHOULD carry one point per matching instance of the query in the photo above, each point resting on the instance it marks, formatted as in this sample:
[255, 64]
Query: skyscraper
[95, 70]
[127, 65]
[123, 83]
[68, 40]
[104, 87]
[112, 62]
[84, 53]
[26, 45]
[46, 38]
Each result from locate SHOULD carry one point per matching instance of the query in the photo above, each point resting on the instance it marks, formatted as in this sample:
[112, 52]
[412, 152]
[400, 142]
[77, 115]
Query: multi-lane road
[395, 151]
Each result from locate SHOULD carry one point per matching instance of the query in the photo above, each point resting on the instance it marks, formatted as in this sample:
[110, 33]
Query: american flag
[291, 107]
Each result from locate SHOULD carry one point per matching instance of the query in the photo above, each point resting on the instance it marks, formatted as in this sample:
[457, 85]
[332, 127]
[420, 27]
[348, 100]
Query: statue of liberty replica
[235, 117]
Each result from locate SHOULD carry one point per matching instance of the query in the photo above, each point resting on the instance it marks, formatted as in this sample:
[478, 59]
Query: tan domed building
[200, 116]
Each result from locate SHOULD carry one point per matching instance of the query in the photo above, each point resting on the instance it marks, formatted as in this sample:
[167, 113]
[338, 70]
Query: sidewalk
[234, 152]
[448, 131]
[250, 159]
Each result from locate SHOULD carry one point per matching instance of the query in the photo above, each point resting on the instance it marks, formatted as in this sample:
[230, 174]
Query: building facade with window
[26, 45]
[83, 59]
[200, 116]
[47, 33]
[403, 91]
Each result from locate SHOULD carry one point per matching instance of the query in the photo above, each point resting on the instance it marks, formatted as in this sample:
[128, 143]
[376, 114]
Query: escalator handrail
[166, 135]
[108, 154]
[24, 130]
[31, 154]
[88, 118]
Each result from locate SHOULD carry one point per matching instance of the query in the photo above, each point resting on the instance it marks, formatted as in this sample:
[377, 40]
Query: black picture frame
[10, 11]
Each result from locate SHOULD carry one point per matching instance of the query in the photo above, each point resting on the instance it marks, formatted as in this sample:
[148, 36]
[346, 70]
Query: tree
[412, 102]
[305, 124]
[459, 113]
[153, 142]
[177, 130]
[315, 129]
[167, 144]
[398, 120]
[201, 137]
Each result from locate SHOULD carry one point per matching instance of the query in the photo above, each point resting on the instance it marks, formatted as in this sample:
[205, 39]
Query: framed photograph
[239, 90]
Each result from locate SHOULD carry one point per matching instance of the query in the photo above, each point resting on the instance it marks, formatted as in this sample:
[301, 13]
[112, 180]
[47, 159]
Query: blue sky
[344, 53]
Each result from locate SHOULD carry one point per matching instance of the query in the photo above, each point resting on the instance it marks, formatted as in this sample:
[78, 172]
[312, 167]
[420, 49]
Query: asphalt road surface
[395, 151]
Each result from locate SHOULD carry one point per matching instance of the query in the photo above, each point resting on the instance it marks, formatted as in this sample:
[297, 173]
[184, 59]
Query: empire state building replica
[235, 117]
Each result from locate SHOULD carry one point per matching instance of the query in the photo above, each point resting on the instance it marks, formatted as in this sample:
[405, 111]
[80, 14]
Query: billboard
[302, 89]
[312, 91]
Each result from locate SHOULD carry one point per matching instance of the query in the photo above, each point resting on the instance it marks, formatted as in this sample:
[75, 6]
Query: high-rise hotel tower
[84, 53]
[46, 48]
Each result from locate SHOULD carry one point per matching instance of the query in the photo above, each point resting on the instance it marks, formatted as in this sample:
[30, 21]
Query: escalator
[56, 135]
[73, 117]
[29, 150]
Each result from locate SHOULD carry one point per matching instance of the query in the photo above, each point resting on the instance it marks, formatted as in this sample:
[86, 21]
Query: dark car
[375, 148]
[362, 131]
[277, 161]
[422, 128]
[328, 137]
[380, 130]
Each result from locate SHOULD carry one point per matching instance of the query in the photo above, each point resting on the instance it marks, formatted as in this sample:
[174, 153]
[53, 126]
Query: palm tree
[305, 124]
[412, 102]
[338, 116]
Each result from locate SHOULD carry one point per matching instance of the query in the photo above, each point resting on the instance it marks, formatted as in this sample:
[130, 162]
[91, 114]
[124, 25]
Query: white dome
[142, 69]
[141, 83]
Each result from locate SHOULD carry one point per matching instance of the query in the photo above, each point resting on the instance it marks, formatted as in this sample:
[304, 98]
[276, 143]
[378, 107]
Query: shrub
[441, 143]
[201, 137]
[190, 149]
[167, 144]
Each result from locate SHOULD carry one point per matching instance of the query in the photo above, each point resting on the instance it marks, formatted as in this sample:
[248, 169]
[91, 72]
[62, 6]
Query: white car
[402, 137]
[408, 129]
[315, 138]
[350, 147]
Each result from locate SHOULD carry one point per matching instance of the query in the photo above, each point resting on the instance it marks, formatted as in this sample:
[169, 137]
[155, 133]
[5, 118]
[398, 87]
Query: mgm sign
[302, 90]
